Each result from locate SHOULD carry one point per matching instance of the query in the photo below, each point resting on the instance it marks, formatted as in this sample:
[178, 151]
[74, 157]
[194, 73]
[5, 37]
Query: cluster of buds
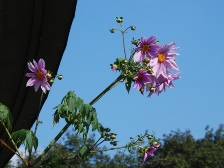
[147, 150]
[130, 70]
[120, 21]
[52, 78]
[109, 136]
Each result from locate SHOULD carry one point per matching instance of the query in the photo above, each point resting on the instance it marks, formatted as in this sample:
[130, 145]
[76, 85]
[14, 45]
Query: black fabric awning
[29, 29]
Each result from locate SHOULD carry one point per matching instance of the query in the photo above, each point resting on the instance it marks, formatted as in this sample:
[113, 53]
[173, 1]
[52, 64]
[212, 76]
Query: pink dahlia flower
[164, 60]
[146, 48]
[38, 76]
[150, 152]
[141, 79]
[160, 84]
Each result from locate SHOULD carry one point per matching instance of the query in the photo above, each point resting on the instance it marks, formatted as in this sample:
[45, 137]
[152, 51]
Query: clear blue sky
[197, 27]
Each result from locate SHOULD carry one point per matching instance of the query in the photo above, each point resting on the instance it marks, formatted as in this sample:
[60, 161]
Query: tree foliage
[178, 150]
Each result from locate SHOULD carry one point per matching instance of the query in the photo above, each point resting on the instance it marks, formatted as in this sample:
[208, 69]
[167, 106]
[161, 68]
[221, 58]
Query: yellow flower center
[145, 48]
[40, 75]
[161, 58]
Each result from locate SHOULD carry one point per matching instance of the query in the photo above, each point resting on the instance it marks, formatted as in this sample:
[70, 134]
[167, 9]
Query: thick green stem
[113, 84]
[52, 143]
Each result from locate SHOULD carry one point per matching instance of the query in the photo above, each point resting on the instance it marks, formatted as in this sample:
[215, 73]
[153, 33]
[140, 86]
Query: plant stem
[113, 84]
[37, 121]
[108, 149]
[51, 144]
[7, 146]
[14, 144]
[95, 144]
[122, 32]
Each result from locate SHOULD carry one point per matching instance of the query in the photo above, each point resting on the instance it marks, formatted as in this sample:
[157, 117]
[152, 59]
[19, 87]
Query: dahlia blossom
[39, 76]
[141, 79]
[160, 84]
[146, 48]
[150, 152]
[164, 60]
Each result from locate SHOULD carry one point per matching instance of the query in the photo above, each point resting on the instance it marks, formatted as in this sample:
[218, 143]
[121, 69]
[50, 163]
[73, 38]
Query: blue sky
[196, 101]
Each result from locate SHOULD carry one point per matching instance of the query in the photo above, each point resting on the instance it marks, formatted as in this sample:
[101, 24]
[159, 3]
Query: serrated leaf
[31, 141]
[5, 116]
[20, 136]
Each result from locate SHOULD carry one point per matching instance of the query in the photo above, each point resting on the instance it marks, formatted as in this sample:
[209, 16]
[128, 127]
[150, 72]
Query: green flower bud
[119, 19]
[112, 30]
[146, 60]
[133, 28]
[154, 143]
[107, 129]
[150, 71]
[150, 137]
[135, 42]
[140, 139]
[60, 77]
[51, 81]
[142, 90]
[49, 75]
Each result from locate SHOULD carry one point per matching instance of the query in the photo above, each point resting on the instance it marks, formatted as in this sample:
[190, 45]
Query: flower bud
[150, 71]
[154, 143]
[150, 137]
[141, 149]
[141, 90]
[51, 81]
[60, 77]
[133, 28]
[48, 74]
[119, 19]
[146, 60]
[113, 136]
[107, 129]
[135, 42]
[114, 67]
[112, 30]
[140, 139]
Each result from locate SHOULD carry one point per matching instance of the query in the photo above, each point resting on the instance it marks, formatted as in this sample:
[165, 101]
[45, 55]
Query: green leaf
[20, 136]
[31, 141]
[94, 120]
[101, 129]
[80, 128]
[25, 137]
[83, 151]
[5, 116]
[128, 84]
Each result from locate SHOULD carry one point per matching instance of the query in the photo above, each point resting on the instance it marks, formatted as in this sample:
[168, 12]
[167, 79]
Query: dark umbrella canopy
[29, 29]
